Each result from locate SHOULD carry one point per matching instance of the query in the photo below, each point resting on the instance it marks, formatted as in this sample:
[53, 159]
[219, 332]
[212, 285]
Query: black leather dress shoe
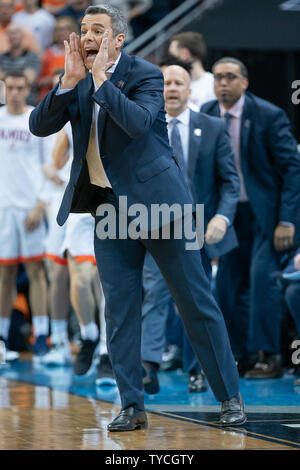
[197, 383]
[129, 420]
[232, 412]
[270, 367]
[150, 379]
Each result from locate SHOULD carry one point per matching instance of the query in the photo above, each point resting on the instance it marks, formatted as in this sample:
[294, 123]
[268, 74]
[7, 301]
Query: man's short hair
[16, 74]
[118, 20]
[194, 42]
[232, 60]
[169, 60]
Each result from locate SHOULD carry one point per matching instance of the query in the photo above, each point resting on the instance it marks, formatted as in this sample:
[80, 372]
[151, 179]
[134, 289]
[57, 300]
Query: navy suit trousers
[120, 264]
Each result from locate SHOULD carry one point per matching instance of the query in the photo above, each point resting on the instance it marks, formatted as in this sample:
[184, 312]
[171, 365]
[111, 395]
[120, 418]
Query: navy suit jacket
[270, 162]
[132, 133]
[212, 175]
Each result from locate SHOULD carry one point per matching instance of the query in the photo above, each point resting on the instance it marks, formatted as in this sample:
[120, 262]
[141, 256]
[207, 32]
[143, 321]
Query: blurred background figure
[54, 56]
[19, 59]
[268, 163]
[190, 47]
[22, 213]
[37, 20]
[59, 297]
[7, 8]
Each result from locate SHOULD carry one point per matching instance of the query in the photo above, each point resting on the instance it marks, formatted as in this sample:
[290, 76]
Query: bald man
[207, 160]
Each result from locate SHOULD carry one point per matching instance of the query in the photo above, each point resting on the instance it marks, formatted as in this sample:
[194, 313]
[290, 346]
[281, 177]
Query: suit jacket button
[73, 186]
[81, 161]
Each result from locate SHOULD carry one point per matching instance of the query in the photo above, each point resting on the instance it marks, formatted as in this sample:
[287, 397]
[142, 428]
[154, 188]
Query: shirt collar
[184, 117]
[236, 110]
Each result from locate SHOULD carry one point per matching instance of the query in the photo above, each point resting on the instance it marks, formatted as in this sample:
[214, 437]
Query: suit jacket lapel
[85, 90]
[120, 75]
[195, 141]
[118, 78]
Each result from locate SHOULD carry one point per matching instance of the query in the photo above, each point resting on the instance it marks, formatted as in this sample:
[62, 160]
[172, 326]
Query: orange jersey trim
[85, 259]
[10, 261]
[57, 259]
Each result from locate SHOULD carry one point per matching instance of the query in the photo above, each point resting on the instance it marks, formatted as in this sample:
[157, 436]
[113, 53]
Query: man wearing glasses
[268, 164]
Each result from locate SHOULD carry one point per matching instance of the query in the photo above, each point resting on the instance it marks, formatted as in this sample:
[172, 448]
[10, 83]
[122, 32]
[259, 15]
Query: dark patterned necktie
[176, 145]
[227, 117]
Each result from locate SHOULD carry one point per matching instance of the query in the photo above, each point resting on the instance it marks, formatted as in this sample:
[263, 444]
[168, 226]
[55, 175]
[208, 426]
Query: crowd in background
[32, 35]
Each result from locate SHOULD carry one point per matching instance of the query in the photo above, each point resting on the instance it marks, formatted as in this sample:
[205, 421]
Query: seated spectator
[6, 13]
[54, 56]
[75, 10]
[19, 59]
[38, 21]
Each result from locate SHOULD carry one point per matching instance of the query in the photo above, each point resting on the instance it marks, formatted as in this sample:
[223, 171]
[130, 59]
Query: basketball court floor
[49, 408]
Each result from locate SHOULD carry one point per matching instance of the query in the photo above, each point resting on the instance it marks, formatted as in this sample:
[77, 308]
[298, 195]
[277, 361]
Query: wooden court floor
[34, 417]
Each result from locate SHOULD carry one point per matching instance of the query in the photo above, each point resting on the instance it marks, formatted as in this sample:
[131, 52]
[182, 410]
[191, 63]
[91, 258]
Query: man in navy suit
[268, 163]
[121, 149]
[209, 168]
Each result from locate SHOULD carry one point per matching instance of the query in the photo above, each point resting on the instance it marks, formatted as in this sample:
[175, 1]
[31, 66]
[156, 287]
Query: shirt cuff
[287, 224]
[224, 217]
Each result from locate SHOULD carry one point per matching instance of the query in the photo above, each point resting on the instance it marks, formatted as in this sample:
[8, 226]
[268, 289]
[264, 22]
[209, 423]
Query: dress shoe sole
[236, 423]
[136, 427]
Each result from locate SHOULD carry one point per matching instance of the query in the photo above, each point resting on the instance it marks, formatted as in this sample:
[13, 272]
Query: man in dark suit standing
[122, 158]
[202, 144]
[268, 164]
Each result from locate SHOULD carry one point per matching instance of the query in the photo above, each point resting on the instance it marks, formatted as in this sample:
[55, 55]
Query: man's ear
[120, 39]
[245, 83]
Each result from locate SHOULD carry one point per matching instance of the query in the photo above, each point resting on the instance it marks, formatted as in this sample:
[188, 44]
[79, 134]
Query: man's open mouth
[91, 52]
